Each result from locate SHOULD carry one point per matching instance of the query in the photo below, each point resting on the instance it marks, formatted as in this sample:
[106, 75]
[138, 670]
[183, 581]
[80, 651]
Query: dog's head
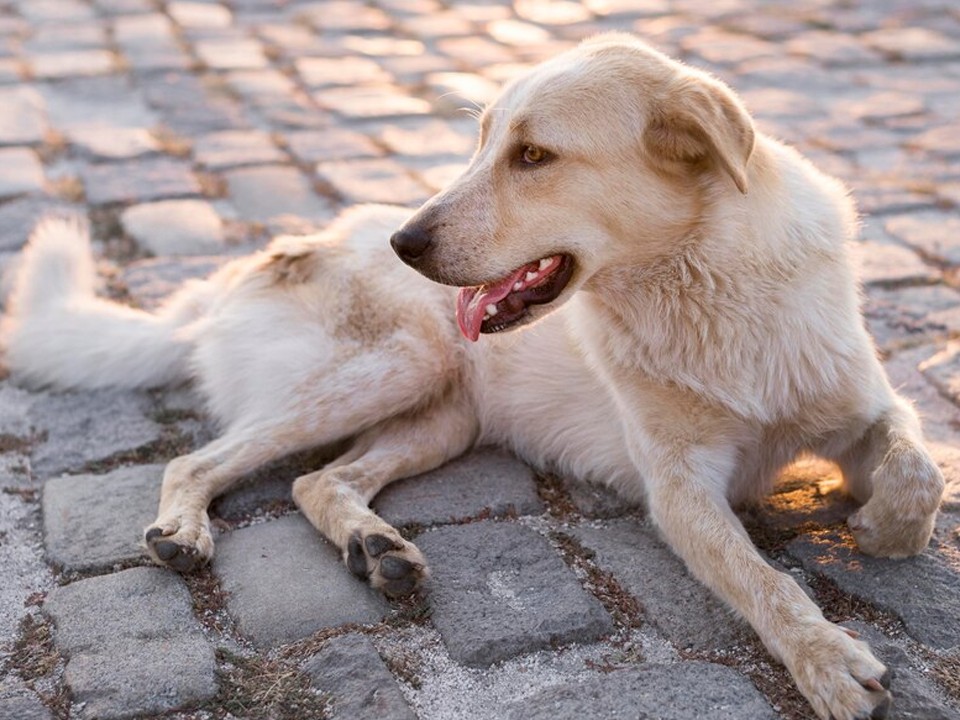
[600, 156]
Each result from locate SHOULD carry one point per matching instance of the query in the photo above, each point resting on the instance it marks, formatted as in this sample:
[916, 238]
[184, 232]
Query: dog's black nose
[411, 244]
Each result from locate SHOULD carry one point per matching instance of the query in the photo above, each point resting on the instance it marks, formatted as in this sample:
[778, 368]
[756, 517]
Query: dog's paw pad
[391, 565]
[377, 545]
[168, 549]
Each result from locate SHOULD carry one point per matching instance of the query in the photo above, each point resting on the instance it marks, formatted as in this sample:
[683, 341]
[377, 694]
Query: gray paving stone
[23, 707]
[118, 630]
[23, 120]
[903, 587]
[486, 482]
[20, 172]
[95, 521]
[104, 117]
[666, 692]
[190, 108]
[910, 315]
[175, 227]
[79, 428]
[350, 669]
[138, 181]
[334, 143]
[915, 696]
[233, 148]
[114, 684]
[935, 234]
[267, 192]
[151, 280]
[373, 180]
[71, 63]
[285, 582]
[500, 590]
[17, 218]
[685, 612]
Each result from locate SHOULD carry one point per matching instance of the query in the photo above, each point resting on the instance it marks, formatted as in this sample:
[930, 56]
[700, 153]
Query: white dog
[699, 327]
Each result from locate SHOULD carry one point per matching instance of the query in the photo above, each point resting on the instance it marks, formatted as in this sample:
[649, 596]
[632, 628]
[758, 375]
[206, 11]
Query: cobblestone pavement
[193, 131]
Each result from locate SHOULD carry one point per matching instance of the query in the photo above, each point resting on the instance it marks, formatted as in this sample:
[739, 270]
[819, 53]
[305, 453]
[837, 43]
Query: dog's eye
[532, 155]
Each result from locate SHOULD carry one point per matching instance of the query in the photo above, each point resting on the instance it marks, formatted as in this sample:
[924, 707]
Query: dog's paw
[390, 563]
[884, 534]
[839, 675]
[178, 545]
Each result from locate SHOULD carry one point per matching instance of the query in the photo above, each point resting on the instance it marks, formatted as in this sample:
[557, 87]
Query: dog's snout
[411, 244]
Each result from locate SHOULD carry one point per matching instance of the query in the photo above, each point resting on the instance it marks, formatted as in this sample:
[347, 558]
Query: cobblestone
[501, 570]
[485, 483]
[20, 172]
[683, 610]
[670, 692]
[175, 227]
[902, 587]
[284, 583]
[118, 629]
[193, 130]
[350, 669]
[267, 192]
[96, 521]
[76, 429]
[142, 180]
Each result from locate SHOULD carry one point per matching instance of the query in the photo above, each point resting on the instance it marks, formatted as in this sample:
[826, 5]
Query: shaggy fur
[709, 333]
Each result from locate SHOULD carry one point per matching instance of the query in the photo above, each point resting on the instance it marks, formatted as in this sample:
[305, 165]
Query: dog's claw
[886, 678]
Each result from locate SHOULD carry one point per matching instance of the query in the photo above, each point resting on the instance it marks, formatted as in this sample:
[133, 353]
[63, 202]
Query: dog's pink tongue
[472, 302]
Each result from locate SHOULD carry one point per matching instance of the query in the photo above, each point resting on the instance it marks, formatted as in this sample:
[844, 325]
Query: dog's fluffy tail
[58, 332]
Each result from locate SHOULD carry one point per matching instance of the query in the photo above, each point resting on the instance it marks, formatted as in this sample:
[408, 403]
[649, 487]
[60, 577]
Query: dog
[693, 325]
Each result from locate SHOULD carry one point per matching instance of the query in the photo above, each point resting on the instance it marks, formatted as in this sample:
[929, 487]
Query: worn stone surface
[151, 280]
[682, 609]
[82, 427]
[96, 521]
[175, 227]
[668, 692]
[23, 707]
[118, 629]
[266, 192]
[20, 172]
[141, 180]
[362, 688]
[501, 570]
[903, 587]
[285, 583]
[484, 483]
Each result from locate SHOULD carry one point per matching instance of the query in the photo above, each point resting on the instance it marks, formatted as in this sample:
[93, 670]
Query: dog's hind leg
[890, 471]
[180, 537]
[336, 499]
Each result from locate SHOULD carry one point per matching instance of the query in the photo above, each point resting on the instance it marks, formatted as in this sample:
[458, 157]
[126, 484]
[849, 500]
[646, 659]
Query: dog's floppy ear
[700, 118]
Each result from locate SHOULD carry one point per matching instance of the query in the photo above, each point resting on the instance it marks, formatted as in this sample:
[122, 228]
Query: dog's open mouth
[503, 304]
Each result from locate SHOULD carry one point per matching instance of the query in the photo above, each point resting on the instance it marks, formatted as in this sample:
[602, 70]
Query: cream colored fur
[710, 333]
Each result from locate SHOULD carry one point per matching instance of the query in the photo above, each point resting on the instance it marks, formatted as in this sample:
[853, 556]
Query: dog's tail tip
[57, 260]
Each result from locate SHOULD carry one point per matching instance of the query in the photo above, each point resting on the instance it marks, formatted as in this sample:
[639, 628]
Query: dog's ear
[701, 119]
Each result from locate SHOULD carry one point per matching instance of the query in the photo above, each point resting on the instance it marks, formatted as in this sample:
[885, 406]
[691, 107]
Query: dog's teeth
[491, 310]
[517, 285]
[531, 276]
[544, 264]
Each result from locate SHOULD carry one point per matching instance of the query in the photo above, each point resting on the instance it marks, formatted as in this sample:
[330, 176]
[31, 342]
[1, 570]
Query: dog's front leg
[687, 452]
